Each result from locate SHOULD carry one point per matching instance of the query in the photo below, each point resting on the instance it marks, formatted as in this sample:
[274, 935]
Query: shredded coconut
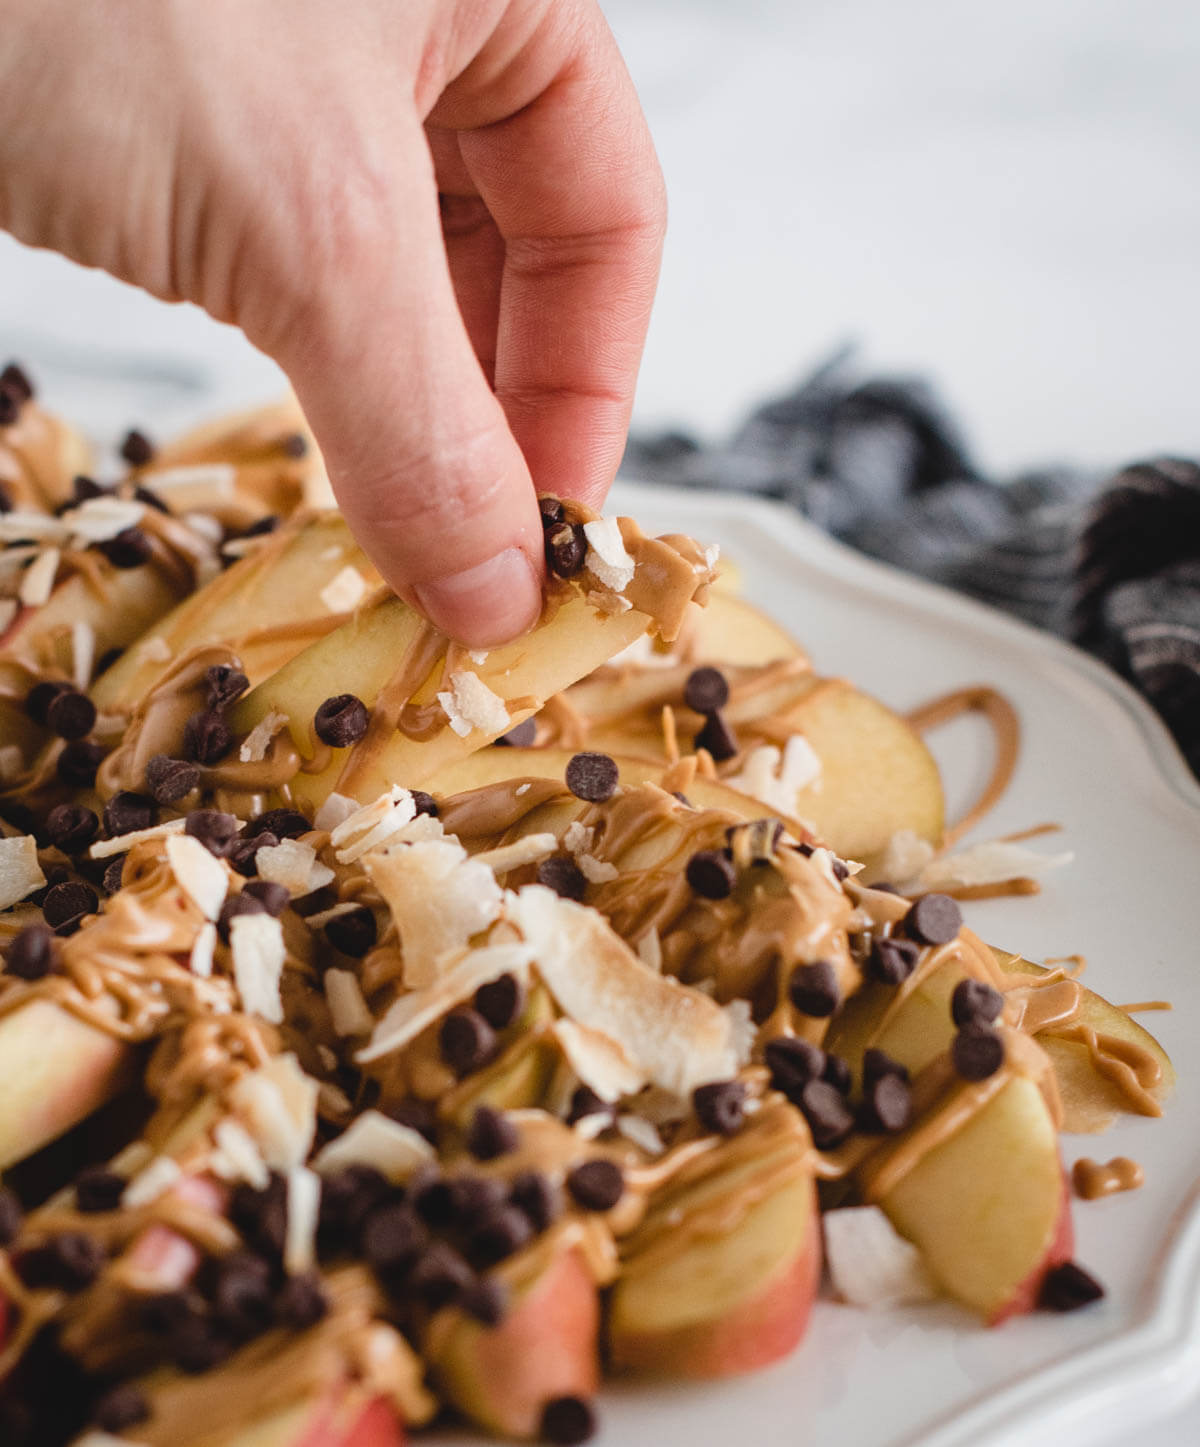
[106, 848]
[277, 1103]
[20, 872]
[153, 1181]
[335, 809]
[344, 591]
[253, 748]
[641, 1132]
[373, 825]
[372, 1139]
[775, 777]
[596, 871]
[649, 949]
[37, 582]
[293, 864]
[598, 1060]
[201, 876]
[200, 962]
[256, 942]
[303, 1205]
[100, 519]
[237, 1157]
[83, 653]
[607, 557]
[521, 851]
[869, 1263]
[347, 1007]
[471, 704]
[198, 485]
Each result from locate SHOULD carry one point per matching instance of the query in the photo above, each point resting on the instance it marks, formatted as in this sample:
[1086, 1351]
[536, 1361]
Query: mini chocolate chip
[710, 873]
[127, 812]
[241, 1295]
[76, 765]
[122, 1407]
[41, 696]
[491, 1134]
[170, 780]
[566, 548]
[596, 1185]
[55, 874]
[551, 509]
[238, 904]
[567, 1420]
[465, 1040]
[70, 1261]
[975, 1002]
[592, 777]
[977, 1052]
[114, 872]
[301, 1302]
[243, 857]
[137, 449]
[706, 690]
[1068, 1287]
[829, 1118]
[793, 1063]
[206, 737]
[197, 1346]
[392, 1238]
[84, 489]
[501, 1232]
[891, 961]
[877, 1063]
[129, 549]
[500, 1001]
[435, 1199]
[717, 737]
[273, 897]
[560, 873]
[347, 1198]
[418, 1115]
[145, 494]
[538, 1197]
[353, 933]
[224, 685]
[837, 1073]
[283, 823]
[66, 903]
[71, 827]
[341, 720]
[720, 1106]
[521, 737]
[261, 526]
[217, 831]
[585, 1101]
[887, 1104]
[934, 919]
[813, 989]
[70, 714]
[11, 1216]
[99, 1189]
[15, 380]
[162, 1312]
[440, 1276]
[486, 1300]
[10, 407]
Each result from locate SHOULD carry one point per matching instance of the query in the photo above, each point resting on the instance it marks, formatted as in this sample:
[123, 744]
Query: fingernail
[489, 603]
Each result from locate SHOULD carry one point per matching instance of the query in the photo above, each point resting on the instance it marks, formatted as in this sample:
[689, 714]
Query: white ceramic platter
[1097, 761]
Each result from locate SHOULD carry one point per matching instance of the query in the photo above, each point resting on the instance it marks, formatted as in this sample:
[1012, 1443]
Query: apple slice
[730, 630]
[41, 454]
[728, 1298]
[546, 1347]
[348, 1417]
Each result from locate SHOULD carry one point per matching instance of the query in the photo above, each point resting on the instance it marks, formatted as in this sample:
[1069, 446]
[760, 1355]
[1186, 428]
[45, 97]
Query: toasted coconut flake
[588, 1127]
[253, 748]
[201, 876]
[775, 777]
[100, 519]
[742, 1030]
[578, 837]
[869, 1263]
[347, 1007]
[152, 1181]
[649, 949]
[598, 1060]
[344, 591]
[277, 1103]
[607, 557]
[197, 485]
[103, 1439]
[83, 653]
[335, 911]
[642, 1133]
[374, 1140]
[335, 809]
[106, 848]
[37, 581]
[204, 947]
[293, 864]
[521, 851]
[207, 526]
[19, 525]
[471, 704]
[20, 872]
[904, 857]
[303, 1204]
[596, 871]
[995, 861]
[373, 825]
[237, 1157]
[256, 942]
[662, 1107]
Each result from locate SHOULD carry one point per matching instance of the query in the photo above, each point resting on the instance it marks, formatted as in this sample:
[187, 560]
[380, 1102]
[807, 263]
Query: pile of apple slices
[387, 1029]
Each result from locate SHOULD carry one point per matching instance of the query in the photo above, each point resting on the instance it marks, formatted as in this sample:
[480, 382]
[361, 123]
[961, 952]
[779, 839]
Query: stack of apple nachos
[388, 1029]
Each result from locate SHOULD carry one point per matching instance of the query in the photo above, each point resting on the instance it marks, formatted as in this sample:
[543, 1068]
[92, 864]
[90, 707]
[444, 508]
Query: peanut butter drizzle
[1093, 1180]
[1006, 728]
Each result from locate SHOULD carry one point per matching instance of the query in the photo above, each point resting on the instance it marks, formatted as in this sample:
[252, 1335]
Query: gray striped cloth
[1110, 562]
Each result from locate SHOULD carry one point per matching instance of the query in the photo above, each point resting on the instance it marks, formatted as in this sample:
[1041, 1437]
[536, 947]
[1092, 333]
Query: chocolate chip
[560, 873]
[1068, 1287]
[206, 737]
[145, 494]
[887, 1104]
[538, 1197]
[975, 1002]
[596, 1185]
[491, 1134]
[551, 509]
[65, 904]
[435, 1198]
[891, 961]
[241, 1295]
[465, 1040]
[69, 1261]
[214, 829]
[224, 685]
[114, 872]
[878, 1063]
[99, 1189]
[585, 1101]
[121, 1407]
[566, 548]
[486, 1300]
[15, 380]
[440, 1276]
[500, 1001]
[71, 827]
[41, 696]
[717, 737]
[283, 823]
[137, 449]
[837, 1073]
[347, 1198]
[828, 1116]
[302, 1302]
[341, 720]
[273, 897]
[710, 873]
[235, 905]
[243, 857]
[720, 1106]
[70, 714]
[261, 1216]
[592, 777]
[84, 489]
[55, 874]
[162, 1312]
[129, 549]
[706, 690]
[170, 780]
[10, 407]
[5, 500]
[353, 933]
[813, 989]
[76, 765]
[127, 812]
[11, 1216]
[393, 1236]
[793, 1063]
[418, 1115]
[501, 1233]
[262, 526]
[934, 919]
[567, 1420]
[197, 1346]
[977, 1052]
[521, 737]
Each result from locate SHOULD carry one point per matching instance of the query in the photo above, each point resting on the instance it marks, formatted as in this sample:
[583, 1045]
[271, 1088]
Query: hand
[443, 218]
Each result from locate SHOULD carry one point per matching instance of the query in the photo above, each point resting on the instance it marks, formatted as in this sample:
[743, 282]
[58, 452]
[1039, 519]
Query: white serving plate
[1097, 761]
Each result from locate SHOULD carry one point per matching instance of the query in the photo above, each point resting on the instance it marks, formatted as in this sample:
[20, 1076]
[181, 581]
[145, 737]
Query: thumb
[419, 451]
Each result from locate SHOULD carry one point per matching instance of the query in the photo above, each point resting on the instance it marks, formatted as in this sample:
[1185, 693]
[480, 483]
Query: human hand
[282, 166]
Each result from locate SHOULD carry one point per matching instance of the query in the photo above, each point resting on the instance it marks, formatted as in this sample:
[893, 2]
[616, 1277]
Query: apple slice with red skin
[547, 1346]
[349, 1418]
